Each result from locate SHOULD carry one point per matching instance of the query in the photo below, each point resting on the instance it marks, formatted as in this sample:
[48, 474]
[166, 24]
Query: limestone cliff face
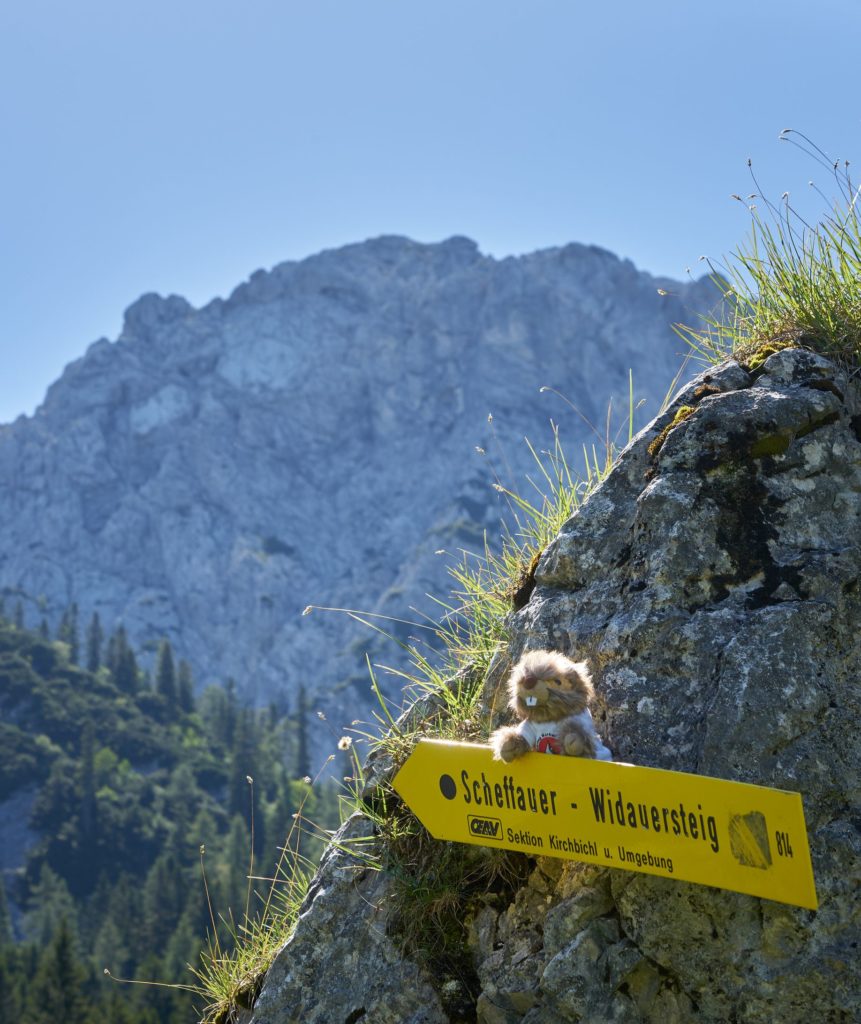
[714, 583]
[312, 439]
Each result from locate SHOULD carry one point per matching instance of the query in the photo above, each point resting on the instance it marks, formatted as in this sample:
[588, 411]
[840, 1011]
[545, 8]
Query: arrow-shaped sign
[728, 834]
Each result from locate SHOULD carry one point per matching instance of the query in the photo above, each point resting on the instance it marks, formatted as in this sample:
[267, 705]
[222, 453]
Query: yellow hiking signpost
[728, 834]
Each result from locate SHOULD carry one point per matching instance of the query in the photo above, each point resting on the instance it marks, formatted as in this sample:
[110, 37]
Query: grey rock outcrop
[310, 440]
[331, 971]
[714, 583]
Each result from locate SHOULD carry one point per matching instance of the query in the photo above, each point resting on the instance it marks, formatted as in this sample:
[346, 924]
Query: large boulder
[712, 580]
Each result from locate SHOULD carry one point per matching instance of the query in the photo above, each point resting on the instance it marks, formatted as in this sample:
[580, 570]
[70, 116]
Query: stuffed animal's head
[545, 686]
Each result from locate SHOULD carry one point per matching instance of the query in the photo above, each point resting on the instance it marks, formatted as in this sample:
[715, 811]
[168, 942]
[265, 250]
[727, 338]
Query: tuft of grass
[229, 977]
[791, 283]
[230, 973]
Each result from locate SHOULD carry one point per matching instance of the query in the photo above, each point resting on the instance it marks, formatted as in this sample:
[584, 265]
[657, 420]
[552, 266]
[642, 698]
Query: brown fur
[563, 688]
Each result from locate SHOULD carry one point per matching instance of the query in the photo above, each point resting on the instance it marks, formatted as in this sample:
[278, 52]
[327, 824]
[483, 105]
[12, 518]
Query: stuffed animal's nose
[529, 683]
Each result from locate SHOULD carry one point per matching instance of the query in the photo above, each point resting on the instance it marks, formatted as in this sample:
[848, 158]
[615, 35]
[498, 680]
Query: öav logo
[485, 828]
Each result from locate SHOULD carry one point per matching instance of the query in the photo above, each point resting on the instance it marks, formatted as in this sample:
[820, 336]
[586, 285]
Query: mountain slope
[311, 440]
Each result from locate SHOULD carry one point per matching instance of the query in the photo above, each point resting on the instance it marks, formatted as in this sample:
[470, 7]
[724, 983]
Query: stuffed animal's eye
[552, 682]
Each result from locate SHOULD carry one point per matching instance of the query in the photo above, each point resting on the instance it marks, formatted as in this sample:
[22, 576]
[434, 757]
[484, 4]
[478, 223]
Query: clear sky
[179, 146]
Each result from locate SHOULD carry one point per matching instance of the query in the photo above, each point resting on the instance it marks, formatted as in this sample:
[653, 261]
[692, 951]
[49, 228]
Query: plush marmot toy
[551, 695]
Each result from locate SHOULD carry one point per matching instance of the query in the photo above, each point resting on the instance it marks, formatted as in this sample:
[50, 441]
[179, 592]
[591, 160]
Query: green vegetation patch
[131, 780]
[683, 413]
[792, 283]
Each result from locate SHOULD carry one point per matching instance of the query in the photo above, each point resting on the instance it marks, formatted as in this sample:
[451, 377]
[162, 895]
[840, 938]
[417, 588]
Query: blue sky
[177, 147]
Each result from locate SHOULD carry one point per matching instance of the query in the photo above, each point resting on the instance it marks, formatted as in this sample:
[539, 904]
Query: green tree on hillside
[163, 900]
[68, 631]
[57, 992]
[185, 686]
[165, 673]
[303, 755]
[5, 918]
[50, 901]
[95, 636]
[88, 815]
[121, 662]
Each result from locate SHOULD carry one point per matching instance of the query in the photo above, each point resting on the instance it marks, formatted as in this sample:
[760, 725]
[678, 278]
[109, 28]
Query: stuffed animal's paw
[577, 742]
[507, 744]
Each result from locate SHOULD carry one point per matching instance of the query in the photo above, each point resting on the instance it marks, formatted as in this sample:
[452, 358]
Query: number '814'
[784, 847]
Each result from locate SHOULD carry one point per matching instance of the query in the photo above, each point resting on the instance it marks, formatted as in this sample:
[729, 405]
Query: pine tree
[181, 800]
[185, 686]
[88, 816]
[280, 818]
[124, 907]
[242, 765]
[68, 632]
[95, 636]
[121, 662]
[182, 949]
[165, 674]
[49, 901]
[127, 676]
[163, 900]
[303, 755]
[119, 1010]
[5, 918]
[110, 950]
[237, 864]
[57, 993]
[232, 711]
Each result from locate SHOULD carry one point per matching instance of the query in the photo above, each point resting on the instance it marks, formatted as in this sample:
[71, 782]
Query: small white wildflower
[345, 742]
[307, 609]
[249, 780]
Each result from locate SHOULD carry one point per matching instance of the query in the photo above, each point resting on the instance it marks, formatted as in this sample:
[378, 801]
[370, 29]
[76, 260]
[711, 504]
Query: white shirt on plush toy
[544, 736]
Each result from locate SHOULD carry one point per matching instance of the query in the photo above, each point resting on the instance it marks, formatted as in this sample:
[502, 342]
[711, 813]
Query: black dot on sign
[447, 787]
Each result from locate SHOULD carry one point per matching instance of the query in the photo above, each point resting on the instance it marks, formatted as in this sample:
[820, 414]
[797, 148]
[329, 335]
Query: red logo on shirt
[548, 745]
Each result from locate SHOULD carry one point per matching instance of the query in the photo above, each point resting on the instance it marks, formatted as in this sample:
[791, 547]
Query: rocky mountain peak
[311, 439]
